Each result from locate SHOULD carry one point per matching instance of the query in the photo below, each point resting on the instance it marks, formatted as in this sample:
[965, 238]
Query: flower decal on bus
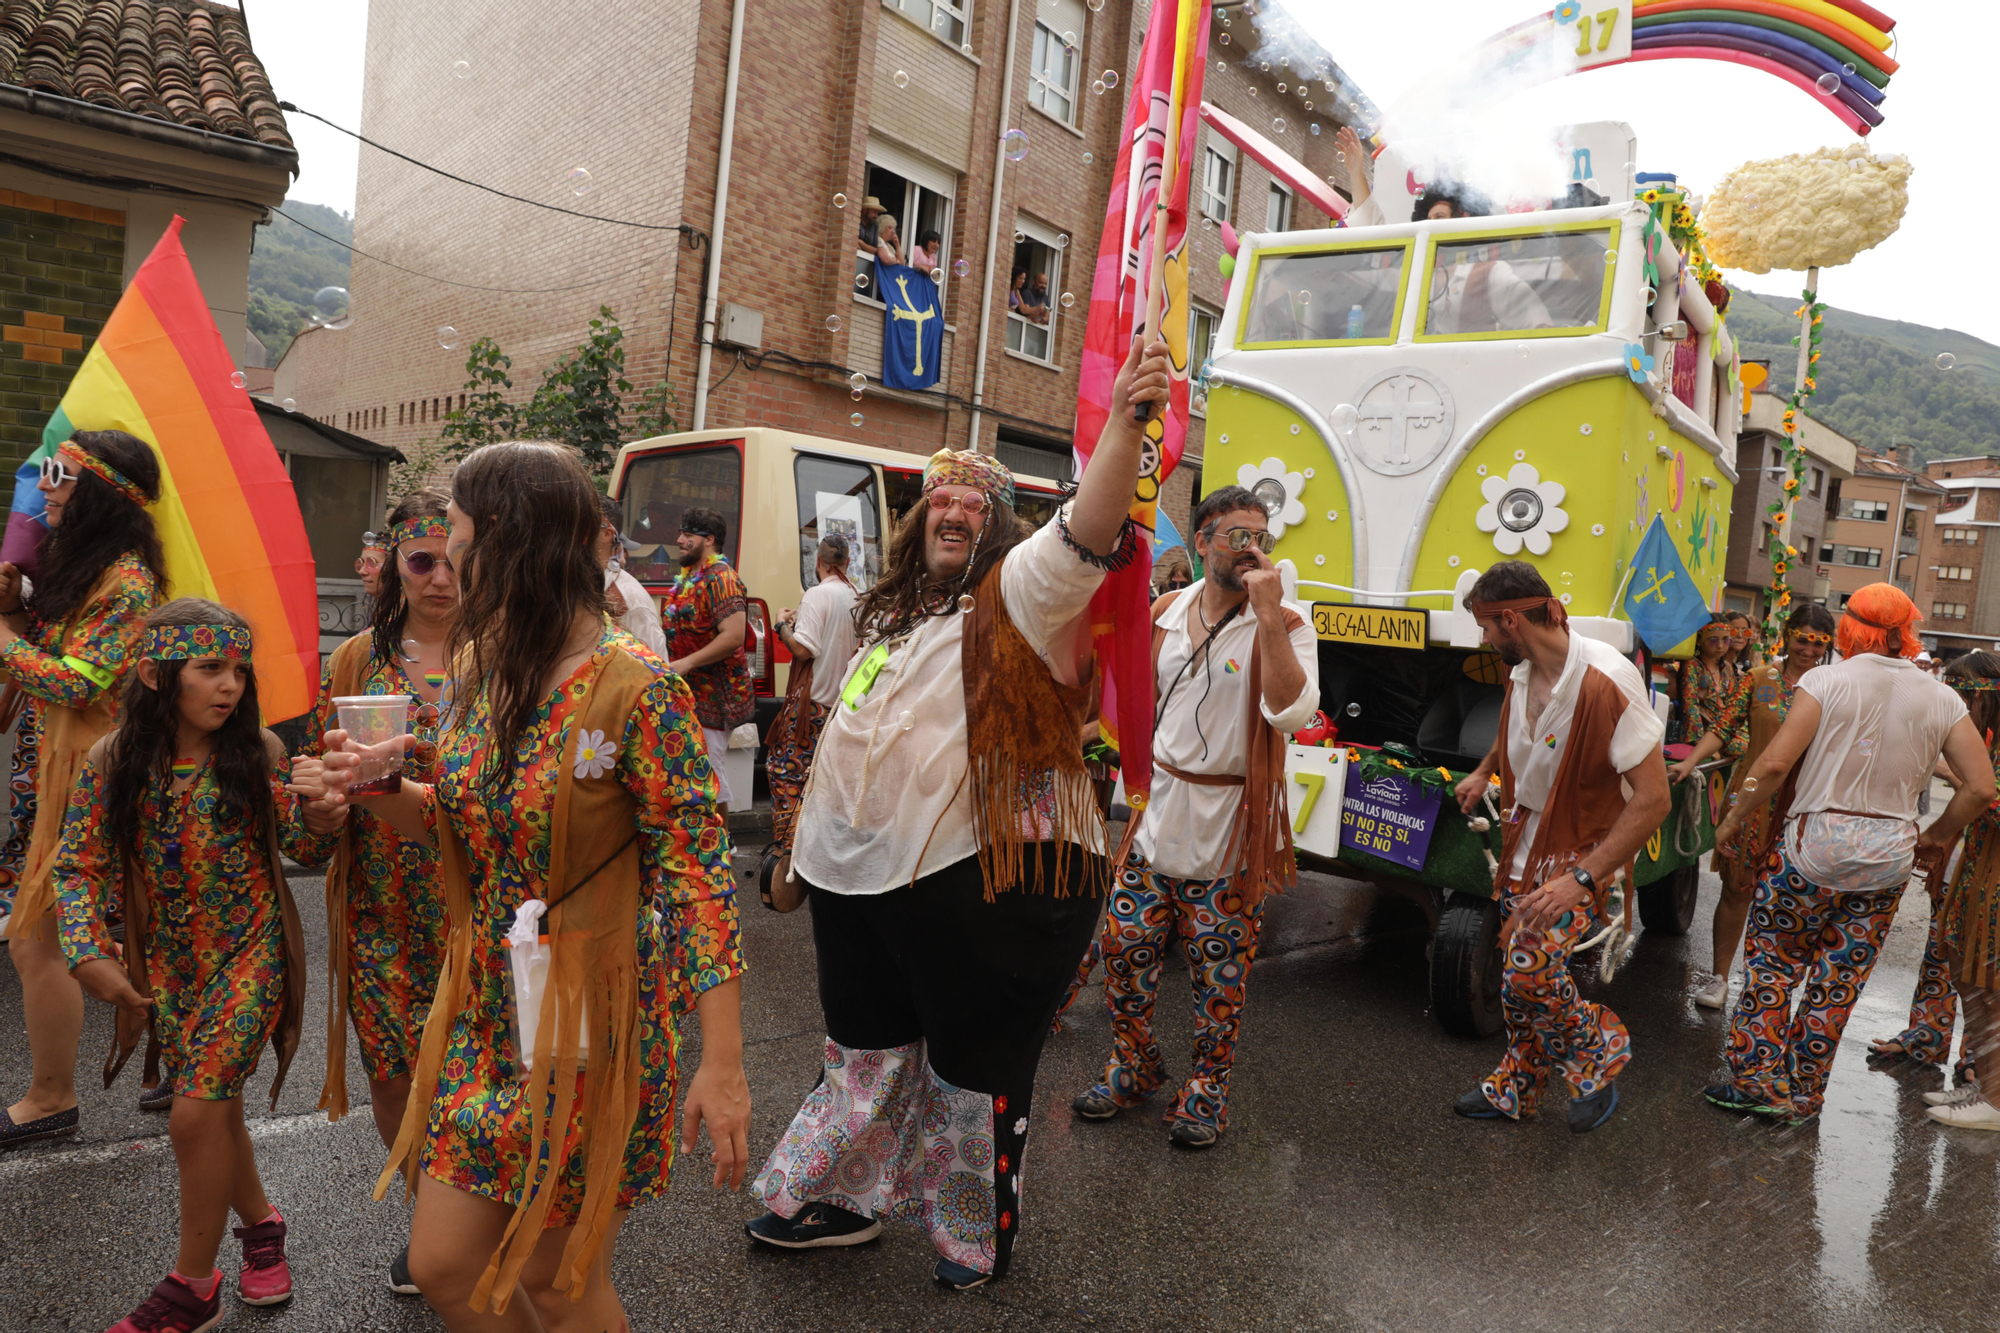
[1278, 489]
[1521, 510]
[1637, 364]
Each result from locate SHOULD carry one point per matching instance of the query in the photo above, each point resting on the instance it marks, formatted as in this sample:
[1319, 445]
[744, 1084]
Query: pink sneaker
[266, 1278]
[174, 1307]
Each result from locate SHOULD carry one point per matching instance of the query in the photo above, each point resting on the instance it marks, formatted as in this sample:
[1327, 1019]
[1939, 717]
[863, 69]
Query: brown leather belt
[1200, 779]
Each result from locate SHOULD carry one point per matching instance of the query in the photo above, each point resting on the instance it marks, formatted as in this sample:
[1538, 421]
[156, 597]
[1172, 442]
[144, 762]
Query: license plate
[1383, 626]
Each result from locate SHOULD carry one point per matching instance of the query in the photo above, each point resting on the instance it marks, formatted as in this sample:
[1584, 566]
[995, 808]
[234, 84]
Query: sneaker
[159, 1097]
[1094, 1105]
[266, 1279]
[1731, 1098]
[1474, 1105]
[1976, 1114]
[1193, 1135]
[60, 1125]
[1958, 1096]
[174, 1307]
[400, 1281]
[1587, 1113]
[817, 1225]
[1714, 995]
[958, 1277]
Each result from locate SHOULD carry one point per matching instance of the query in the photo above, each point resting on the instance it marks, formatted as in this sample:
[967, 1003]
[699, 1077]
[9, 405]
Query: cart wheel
[1667, 905]
[1465, 967]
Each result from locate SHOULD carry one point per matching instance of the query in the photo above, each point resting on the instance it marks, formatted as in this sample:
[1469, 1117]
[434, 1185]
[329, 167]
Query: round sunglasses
[972, 502]
[55, 472]
[421, 563]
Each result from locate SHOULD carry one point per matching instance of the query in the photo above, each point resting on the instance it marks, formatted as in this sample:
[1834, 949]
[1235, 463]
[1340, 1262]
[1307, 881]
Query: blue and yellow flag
[1661, 601]
[913, 335]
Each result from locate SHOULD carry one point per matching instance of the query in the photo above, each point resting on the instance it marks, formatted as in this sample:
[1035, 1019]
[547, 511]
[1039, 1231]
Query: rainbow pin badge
[1230, 667]
[1550, 740]
[183, 768]
[434, 679]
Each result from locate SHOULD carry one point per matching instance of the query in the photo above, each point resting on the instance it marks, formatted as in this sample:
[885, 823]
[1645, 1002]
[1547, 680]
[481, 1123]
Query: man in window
[709, 621]
[871, 209]
[1029, 302]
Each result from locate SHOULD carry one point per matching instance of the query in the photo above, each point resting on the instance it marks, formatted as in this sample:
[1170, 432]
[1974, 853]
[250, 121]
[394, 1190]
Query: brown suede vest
[1586, 798]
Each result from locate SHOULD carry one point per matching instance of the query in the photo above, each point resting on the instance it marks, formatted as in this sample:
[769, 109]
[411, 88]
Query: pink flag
[1120, 613]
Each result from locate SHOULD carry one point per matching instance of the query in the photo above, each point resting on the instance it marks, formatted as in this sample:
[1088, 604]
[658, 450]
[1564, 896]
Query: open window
[838, 496]
[919, 196]
[1034, 281]
[1551, 282]
[1325, 298]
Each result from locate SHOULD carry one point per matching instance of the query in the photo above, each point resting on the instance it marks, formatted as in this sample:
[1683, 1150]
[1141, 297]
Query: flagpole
[1170, 164]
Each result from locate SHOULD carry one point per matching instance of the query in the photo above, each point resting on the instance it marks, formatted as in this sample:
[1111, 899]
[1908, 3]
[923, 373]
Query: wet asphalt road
[1346, 1196]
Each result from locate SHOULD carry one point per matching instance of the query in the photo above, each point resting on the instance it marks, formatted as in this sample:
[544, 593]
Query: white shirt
[1535, 752]
[1185, 829]
[825, 628]
[1881, 729]
[642, 616]
[885, 803]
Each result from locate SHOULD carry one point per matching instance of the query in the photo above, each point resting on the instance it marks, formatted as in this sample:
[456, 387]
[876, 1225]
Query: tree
[487, 416]
[579, 402]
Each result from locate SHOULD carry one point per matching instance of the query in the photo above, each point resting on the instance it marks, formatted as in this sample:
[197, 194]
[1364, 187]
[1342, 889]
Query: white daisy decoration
[593, 756]
[1278, 488]
[1521, 510]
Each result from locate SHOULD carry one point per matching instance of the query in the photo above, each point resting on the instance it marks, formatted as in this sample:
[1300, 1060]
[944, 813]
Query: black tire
[1465, 967]
[1667, 904]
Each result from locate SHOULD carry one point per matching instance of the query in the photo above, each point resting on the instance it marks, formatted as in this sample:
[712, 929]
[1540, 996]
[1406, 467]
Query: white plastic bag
[530, 974]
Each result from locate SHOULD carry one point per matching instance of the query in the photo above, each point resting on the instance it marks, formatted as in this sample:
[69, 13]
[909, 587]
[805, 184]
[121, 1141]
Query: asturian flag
[1661, 599]
[913, 335]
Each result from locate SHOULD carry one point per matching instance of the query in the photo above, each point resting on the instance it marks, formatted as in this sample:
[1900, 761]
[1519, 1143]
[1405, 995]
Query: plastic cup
[378, 724]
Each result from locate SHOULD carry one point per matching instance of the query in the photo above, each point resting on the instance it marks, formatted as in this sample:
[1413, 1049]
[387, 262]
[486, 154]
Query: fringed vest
[1586, 798]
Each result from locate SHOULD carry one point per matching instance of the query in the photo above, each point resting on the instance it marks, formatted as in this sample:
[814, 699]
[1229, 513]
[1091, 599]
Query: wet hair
[1222, 500]
[895, 602]
[392, 609]
[1985, 709]
[522, 580]
[832, 551]
[143, 749]
[1511, 579]
[99, 524]
[705, 522]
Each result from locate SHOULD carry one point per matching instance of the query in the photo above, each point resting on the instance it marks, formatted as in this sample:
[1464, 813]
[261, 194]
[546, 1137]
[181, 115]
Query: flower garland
[1781, 551]
[1674, 220]
[1374, 765]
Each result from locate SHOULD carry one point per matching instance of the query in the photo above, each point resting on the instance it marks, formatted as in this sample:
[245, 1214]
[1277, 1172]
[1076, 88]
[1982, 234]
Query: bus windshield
[1553, 282]
[1336, 296]
[661, 487]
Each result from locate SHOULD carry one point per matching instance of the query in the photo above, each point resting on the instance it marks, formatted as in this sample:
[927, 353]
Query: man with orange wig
[1865, 734]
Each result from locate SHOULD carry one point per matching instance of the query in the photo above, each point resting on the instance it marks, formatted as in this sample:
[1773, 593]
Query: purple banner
[1388, 818]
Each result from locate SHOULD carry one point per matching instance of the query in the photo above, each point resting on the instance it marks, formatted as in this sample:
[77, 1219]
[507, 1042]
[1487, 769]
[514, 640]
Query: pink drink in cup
[378, 724]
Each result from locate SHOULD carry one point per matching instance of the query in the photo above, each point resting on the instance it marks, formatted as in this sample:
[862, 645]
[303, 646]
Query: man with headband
[1582, 786]
[950, 842]
[708, 619]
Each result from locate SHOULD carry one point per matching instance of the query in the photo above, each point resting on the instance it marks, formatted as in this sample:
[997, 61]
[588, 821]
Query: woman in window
[887, 242]
[925, 257]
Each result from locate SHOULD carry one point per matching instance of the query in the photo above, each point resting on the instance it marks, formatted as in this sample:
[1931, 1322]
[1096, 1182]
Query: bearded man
[951, 846]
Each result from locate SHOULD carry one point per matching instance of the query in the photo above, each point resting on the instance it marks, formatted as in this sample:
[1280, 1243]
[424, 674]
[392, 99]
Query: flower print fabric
[700, 600]
[105, 632]
[478, 1132]
[215, 944]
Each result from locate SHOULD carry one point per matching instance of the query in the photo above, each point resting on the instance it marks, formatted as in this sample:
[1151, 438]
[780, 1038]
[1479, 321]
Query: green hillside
[289, 264]
[1879, 383]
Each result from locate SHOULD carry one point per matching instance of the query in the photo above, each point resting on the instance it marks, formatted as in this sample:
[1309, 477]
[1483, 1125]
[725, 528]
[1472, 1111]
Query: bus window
[837, 496]
[1331, 297]
[660, 487]
[1555, 282]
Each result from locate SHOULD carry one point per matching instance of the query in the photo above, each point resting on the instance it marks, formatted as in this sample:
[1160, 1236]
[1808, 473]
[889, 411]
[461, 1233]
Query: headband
[167, 643]
[102, 470]
[418, 528]
[1973, 684]
[1558, 613]
[960, 467]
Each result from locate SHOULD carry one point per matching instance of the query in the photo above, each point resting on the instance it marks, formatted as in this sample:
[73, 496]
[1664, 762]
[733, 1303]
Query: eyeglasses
[54, 473]
[1811, 636]
[421, 563]
[972, 502]
[367, 564]
[1241, 539]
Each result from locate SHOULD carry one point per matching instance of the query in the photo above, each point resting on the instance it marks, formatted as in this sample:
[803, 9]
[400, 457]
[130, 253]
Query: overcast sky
[1697, 118]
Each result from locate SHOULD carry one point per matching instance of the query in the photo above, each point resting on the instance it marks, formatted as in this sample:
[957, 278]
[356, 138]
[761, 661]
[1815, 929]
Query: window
[1055, 59]
[1819, 484]
[1842, 604]
[1910, 523]
[1330, 297]
[1826, 553]
[1202, 324]
[838, 496]
[1218, 180]
[1554, 281]
[1278, 209]
[1872, 511]
[660, 487]
[1777, 456]
[1033, 456]
[1956, 572]
[1947, 610]
[1865, 557]
[947, 20]
[919, 196]
[1033, 283]
[1959, 536]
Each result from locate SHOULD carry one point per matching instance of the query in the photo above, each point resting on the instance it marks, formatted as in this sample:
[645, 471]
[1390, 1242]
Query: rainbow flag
[227, 515]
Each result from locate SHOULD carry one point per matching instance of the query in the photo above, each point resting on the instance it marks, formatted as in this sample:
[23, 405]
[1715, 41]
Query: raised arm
[1104, 496]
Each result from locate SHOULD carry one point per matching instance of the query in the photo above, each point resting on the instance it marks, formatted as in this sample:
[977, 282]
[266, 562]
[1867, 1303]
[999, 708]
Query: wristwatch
[1583, 878]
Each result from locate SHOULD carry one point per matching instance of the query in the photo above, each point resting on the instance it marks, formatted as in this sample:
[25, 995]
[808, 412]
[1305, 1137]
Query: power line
[449, 282]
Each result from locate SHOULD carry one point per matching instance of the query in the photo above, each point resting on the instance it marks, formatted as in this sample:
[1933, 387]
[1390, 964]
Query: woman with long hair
[1742, 654]
[1740, 729]
[184, 809]
[1705, 678]
[385, 908]
[66, 647]
[572, 802]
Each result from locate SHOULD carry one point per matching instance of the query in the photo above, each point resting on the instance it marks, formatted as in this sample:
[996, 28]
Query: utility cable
[468, 286]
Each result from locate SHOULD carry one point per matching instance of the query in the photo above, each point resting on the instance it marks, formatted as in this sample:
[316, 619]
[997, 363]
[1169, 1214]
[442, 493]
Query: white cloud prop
[1809, 210]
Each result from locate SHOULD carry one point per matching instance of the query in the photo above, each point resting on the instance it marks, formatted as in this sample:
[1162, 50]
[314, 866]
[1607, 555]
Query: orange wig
[1880, 619]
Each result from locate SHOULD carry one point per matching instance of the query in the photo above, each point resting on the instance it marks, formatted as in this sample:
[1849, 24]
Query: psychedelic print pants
[1549, 1026]
[1801, 932]
[1934, 1007]
[786, 765]
[936, 1004]
[1218, 937]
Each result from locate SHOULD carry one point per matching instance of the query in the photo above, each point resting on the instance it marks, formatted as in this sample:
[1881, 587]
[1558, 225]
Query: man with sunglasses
[709, 619]
[1235, 669]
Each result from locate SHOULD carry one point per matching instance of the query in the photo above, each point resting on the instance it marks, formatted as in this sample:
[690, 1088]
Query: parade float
[1554, 382]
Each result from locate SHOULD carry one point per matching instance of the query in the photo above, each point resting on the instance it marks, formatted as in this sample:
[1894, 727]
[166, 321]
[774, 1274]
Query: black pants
[936, 1003]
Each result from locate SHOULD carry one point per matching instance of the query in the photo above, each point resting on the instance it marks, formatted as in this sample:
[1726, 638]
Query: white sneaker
[1971, 1115]
[1714, 995]
[1958, 1096]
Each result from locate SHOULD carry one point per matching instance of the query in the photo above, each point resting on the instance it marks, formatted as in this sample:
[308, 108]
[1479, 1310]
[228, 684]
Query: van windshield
[1552, 282]
[660, 488]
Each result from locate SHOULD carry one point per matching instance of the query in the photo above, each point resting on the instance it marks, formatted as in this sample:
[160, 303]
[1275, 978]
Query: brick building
[906, 100]
[1760, 456]
[1959, 585]
[1875, 522]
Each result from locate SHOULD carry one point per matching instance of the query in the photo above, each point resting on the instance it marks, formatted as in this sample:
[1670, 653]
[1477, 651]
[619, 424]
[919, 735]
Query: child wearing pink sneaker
[183, 805]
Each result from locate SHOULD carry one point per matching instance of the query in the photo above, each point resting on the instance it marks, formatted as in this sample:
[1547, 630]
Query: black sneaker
[958, 1277]
[159, 1097]
[400, 1280]
[1095, 1104]
[1193, 1135]
[1475, 1105]
[1587, 1113]
[816, 1226]
[59, 1125]
[1731, 1098]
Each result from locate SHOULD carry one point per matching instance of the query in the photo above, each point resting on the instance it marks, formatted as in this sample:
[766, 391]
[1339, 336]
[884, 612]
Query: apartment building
[1761, 474]
[1959, 591]
[1875, 523]
[904, 100]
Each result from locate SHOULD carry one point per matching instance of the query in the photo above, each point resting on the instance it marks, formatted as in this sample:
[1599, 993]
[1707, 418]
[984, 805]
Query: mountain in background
[287, 265]
[1879, 381]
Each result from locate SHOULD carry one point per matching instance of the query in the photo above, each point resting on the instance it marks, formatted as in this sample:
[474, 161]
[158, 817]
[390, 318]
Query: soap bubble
[1068, 40]
[839, 199]
[1019, 236]
[1343, 418]
[1305, 297]
[833, 323]
[1097, 86]
[1309, 106]
[1847, 69]
[1088, 157]
[448, 337]
[1568, 577]
[1281, 87]
[1253, 90]
[861, 282]
[1828, 84]
[900, 79]
[1110, 78]
[1610, 256]
[1062, 240]
[937, 275]
[1264, 65]
[290, 404]
[1945, 361]
[1224, 39]
[962, 267]
[1278, 125]
[1222, 66]
[1014, 143]
[1590, 184]
[331, 309]
[857, 381]
[1095, 6]
[237, 378]
[1068, 300]
[854, 420]
[967, 48]
[855, 394]
[1354, 710]
[462, 69]
[580, 182]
